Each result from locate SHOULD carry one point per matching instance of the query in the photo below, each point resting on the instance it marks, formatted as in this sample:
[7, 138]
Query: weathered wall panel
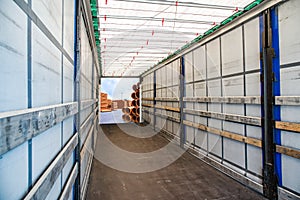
[290, 56]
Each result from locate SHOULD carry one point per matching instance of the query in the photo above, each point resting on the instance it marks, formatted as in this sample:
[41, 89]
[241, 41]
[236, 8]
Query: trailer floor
[186, 178]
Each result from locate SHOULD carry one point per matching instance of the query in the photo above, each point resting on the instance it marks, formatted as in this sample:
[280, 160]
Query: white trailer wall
[289, 46]
[38, 132]
[222, 118]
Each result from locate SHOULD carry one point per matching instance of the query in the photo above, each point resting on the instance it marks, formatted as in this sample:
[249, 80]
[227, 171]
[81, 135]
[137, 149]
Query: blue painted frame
[276, 90]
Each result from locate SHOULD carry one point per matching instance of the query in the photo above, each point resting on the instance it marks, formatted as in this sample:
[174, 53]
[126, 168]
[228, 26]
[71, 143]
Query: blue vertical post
[77, 16]
[29, 91]
[276, 90]
[181, 103]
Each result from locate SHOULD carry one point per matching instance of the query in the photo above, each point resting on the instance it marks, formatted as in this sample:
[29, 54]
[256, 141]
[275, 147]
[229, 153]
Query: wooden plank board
[148, 105]
[233, 136]
[288, 126]
[229, 100]
[147, 99]
[167, 108]
[227, 117]
[295, 153]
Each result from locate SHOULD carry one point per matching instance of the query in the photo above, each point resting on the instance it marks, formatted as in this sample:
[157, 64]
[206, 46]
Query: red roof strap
[176, 3]
[162, 21]
[105, 17]
[152, 32]
[105, 2]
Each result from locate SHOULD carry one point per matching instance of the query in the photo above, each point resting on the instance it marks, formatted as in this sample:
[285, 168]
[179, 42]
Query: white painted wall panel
[176, 72]
[13, 53]
[190, 134]
[14, 173]
[68, 36]
[189, 67]
[290, 175]
[232, 52]
[234, 151]
[213, 59]
[50, 13]
[289, 31]
[254, 159]
[46, 70]
[201, 139]
[68, 85]
[44, 148]
[252, 49]
[200, 64]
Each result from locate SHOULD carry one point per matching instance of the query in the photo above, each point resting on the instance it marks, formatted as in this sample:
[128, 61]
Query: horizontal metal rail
[287, 100]
[170, 99]
[17, 127]
[45, 183]
[87, 103]
[69, 184]
[229, 100]
[256, 121]
[168, 117]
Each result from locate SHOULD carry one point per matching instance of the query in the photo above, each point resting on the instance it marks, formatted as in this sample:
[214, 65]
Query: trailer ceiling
[137, 34]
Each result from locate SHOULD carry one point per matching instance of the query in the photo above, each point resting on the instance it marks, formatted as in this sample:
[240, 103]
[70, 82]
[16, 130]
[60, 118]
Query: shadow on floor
[186, 178]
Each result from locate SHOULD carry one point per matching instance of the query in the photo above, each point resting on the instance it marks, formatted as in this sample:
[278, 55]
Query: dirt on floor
[186, 178]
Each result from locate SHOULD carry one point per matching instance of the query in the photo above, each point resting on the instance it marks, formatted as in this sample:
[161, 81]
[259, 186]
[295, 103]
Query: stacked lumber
[106, 104]
[132, 112]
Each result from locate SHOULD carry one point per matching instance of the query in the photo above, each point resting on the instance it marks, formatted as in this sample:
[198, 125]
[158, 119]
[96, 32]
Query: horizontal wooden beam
[148, 105]
[295, 153]
[288, 126]
[287, 100]
[167, 108]
[45, 183]
[233, 136]
[229, 100]
[256, 121]
[147, 99]
[18, 127]
[69, 184]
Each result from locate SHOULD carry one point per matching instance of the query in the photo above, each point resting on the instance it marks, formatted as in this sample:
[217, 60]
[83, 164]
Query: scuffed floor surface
[186, 178]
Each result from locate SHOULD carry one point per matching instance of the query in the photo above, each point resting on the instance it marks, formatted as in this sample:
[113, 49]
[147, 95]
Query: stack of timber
[132, 112]
[106, 104]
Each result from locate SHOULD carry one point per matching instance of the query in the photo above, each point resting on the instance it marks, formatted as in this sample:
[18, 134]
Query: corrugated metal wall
[220, 100]
[46, 119]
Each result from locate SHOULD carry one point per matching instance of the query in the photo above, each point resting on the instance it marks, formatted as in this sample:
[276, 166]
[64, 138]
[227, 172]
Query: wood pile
[106, 104]
[132, 112]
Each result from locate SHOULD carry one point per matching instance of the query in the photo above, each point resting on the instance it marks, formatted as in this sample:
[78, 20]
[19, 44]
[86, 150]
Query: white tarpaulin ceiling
[137, 34]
